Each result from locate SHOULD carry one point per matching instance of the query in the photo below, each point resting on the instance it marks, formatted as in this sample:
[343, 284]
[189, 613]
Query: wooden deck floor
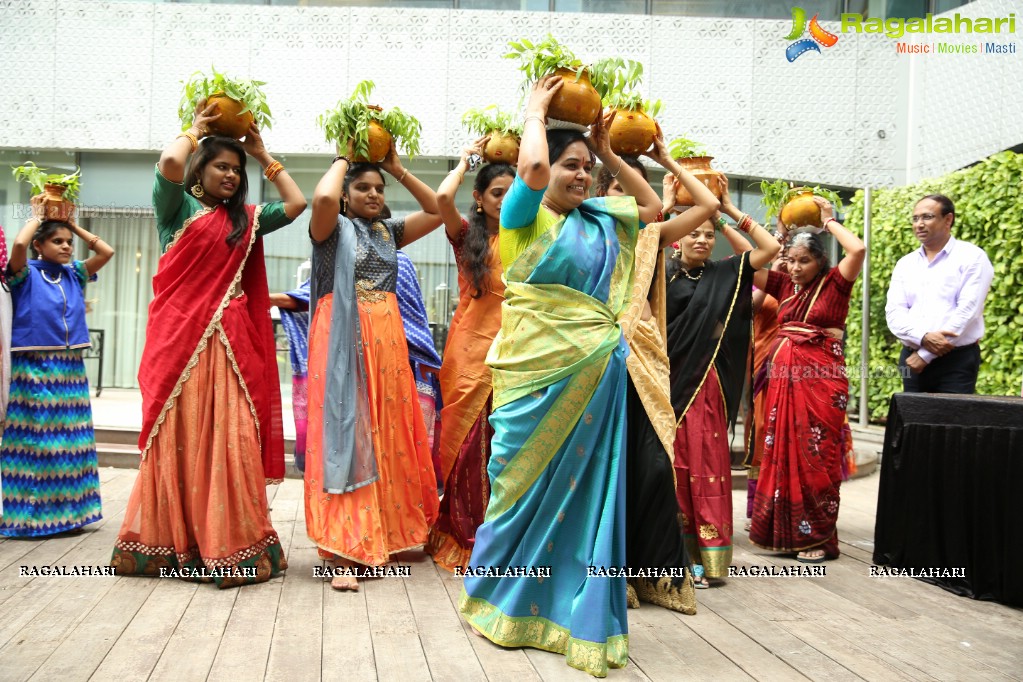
[842, 626]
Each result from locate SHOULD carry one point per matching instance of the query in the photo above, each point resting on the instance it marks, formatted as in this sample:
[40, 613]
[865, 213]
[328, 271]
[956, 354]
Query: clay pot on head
[502, 148]
[56, 206]
[232, 123]
[379, 141]
[576, 102]
[801, 211]
[699, 166]
[632, 132]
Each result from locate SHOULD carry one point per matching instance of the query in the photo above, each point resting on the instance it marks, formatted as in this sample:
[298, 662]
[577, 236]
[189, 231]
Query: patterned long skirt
[48, 458]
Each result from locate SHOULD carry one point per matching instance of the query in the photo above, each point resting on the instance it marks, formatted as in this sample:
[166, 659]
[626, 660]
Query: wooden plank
[397, 648]
[296, 644]
[499, 664]
[347, 641]
[139, 647]
[647, 654]
[191, 650]
[862, 660]
[446, 645]
[83, 650]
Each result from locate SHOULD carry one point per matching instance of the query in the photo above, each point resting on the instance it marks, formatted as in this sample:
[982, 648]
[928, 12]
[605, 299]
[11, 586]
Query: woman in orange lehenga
[464, 377]
[370, 486]
[211, 435]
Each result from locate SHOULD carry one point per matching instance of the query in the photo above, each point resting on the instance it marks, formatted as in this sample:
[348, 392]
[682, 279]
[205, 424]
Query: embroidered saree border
[541, 633]
[204, 340]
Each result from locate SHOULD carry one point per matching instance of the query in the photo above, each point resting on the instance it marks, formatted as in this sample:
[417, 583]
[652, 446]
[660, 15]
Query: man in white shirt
[936, 304]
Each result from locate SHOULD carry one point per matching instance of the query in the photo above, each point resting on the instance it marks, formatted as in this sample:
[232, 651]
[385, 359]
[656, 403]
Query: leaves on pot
[349, 120]
[248, 92]
[684, 148]
[485, 120]
[539, 59]
[38, 178]
[778, 193]
[615, 76]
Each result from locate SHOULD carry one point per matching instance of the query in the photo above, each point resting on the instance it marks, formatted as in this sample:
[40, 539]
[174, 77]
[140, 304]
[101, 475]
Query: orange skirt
[199, 501]
[395, 512]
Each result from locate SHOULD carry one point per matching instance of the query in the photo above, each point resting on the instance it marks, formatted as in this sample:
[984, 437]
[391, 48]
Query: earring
[344, 206]
[197, 191]
[479, 207]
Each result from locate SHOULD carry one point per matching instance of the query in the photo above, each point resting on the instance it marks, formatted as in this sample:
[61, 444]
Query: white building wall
[106, 76]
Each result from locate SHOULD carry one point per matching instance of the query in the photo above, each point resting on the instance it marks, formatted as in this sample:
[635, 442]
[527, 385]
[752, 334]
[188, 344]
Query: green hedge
[989, 213]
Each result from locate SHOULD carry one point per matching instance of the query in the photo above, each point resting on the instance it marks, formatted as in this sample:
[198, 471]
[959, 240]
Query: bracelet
[722, 223]
[339, 157]
[402, 178]
[273, 170]
[536, 117]
[745, 223]
[92, 242]
[192, 140]
[660, 217]
[460, 174]
[826, 223]
[621, 162]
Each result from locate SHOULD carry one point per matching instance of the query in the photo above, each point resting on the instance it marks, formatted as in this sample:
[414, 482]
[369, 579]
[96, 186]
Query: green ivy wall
[989, 213]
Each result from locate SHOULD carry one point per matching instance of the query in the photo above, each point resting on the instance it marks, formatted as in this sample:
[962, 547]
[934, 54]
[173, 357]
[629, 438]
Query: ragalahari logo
[804, 45]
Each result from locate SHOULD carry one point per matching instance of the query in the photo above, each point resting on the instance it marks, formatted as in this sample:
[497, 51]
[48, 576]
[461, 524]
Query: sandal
[812, 556]
[699, 580]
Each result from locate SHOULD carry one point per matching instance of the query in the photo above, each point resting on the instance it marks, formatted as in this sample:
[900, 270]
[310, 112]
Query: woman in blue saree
[556, 470]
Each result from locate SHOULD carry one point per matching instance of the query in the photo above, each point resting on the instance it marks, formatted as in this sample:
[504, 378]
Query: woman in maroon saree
[806, 391]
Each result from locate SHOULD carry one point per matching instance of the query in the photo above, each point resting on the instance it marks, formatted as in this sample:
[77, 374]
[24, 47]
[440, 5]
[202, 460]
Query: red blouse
[827, 301]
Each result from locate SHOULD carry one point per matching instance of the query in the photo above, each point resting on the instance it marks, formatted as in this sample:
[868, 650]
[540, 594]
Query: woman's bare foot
[344, 582]
[811, 556]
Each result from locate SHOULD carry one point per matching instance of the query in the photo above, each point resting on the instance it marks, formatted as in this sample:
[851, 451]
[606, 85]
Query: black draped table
[951, 493]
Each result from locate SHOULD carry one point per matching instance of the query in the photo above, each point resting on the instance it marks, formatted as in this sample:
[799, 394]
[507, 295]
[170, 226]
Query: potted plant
[692, 156]
[633, 129]
[577, 103]
[239, 102]
[796, 205]
[370, 128]
[503, 145]
[59, 190]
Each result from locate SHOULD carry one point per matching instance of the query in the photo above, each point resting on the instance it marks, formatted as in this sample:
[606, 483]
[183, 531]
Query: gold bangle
[402, 178]
[273, 170]
[621, 162]
[536, 117]
[192, 140]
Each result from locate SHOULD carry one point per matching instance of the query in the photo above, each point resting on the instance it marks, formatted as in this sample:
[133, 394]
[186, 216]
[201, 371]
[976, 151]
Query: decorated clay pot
[699, 166]
[379, 141]
[56, 206]
[632, 132]
[232, 122]
[577, 101]
[801, 211]
[502, 148]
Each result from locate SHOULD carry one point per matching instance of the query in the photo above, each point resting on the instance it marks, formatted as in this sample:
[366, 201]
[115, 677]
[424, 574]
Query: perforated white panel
[107, 75]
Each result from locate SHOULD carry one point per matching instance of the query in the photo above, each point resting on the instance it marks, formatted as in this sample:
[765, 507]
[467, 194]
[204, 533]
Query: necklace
[688, 276]
[60, 276]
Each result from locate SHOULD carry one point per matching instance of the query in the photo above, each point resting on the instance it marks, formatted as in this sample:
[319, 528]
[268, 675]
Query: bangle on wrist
[722, 223]
[403, 174]
[536, 117]
[191, 140]
[745, 223]
[341, 157]
[272, 170]
[621, 162]
[826, 224]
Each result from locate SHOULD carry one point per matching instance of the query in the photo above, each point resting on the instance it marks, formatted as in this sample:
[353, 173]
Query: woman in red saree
[795, 508]
[211, 436]
[465, 381]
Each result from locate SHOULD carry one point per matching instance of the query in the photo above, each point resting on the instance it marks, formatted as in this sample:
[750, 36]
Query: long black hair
[46, 230]
[558, 141]
[604, 177]
[208, 150]
[476, 246]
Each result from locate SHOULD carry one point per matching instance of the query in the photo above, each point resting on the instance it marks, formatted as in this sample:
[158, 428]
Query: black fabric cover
[951, 477]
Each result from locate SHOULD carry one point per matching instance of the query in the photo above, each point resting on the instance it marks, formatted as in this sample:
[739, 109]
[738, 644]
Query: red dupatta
[192, 290]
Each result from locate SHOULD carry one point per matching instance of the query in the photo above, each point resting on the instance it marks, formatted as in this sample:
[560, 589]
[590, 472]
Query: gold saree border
[540, 633]
[204, 340]
[536, 453]
[728, 318]
[184, 226]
